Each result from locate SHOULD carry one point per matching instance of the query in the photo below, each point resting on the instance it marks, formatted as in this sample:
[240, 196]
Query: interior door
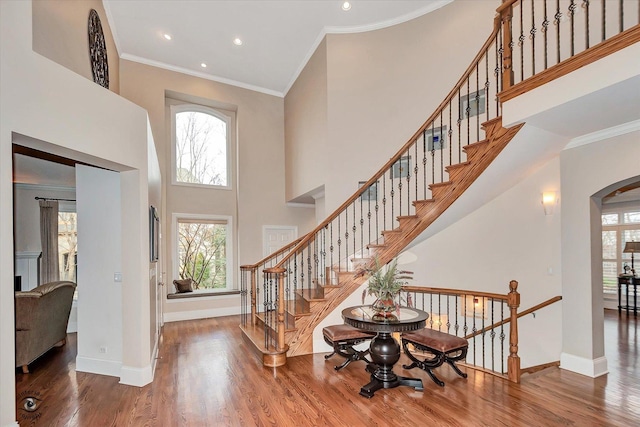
[277, 236]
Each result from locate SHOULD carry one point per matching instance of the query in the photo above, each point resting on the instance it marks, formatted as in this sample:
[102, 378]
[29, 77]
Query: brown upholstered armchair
[42, 315]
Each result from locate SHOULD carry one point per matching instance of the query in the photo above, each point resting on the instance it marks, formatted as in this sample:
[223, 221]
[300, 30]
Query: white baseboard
[590, 367]
[13, 424]
[138, 377]
[72, 327]
[177, 316]
[98, 366]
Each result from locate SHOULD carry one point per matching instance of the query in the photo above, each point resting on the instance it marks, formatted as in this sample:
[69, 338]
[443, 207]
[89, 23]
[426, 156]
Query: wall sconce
[549, 201]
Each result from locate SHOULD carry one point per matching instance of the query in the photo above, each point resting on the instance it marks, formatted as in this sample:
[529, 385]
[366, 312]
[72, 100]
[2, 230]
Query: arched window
[201, 146]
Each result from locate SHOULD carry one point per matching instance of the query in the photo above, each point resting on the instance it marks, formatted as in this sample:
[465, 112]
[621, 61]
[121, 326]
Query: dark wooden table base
[385, 352]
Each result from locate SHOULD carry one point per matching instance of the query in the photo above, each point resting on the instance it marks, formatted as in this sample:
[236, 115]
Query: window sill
[200, 294]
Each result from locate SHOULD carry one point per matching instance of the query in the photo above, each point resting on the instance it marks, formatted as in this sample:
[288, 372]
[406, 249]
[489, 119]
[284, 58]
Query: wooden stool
[444, 348]
[342, 338]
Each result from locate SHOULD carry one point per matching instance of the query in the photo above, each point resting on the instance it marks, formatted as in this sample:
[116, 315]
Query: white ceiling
[278, 36]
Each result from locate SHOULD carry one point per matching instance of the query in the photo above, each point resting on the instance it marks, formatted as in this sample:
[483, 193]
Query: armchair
[42, 315]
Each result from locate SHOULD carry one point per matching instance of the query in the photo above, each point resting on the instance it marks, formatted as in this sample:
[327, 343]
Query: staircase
[292, 291]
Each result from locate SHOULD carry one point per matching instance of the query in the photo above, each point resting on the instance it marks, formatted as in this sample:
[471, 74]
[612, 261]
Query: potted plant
[385, 284]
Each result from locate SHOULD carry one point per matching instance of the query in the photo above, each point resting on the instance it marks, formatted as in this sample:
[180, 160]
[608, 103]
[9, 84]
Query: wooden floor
[208, 377]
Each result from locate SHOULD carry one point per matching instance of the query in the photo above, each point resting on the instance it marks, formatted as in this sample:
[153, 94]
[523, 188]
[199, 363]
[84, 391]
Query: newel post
[279, 272]
[506, 14]
[513, 363]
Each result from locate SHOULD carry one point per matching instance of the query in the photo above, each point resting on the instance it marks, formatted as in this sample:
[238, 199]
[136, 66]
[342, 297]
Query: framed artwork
[473, 104]
[401, 168]
[436, 138]
[154, 234]
[370, 193]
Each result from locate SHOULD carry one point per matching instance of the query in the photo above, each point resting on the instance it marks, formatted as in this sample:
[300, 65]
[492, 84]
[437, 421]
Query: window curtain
[50, 271]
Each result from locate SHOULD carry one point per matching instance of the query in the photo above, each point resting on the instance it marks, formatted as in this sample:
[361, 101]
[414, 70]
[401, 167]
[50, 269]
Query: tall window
[203, 247]
[618, 228]
[67, 245]
[201, 146]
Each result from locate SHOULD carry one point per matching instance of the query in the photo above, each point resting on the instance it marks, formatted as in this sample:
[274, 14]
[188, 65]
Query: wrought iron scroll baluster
[545, 32]
[521, 40]
[354, 229]
[424, 163]
[572, 9]
[532, 36]
[442, 140]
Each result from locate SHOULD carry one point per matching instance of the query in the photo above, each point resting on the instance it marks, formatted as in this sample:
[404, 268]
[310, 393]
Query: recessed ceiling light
[203, 65]
[167, 36]
[346, 5]
[237, 41]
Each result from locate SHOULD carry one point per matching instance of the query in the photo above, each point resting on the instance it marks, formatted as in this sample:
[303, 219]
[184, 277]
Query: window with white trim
[201, 146]
[618, 227]
[204, 251]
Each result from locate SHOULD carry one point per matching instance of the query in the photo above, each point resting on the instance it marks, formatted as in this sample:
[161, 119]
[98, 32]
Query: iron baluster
[331, 244]
[521, 40]
[532, 36]
[556, 22]
[572, 8]
[400, 172]
[384, 202]
[339, 246]
[433, 157]
[376, 207]
[502, 337]
[459, 122]
[439, 312]
[585, 6]
[477, 101]
[416, 169]
[467, 112]
[310, 271]
[392, 194]
[604, 20]
[346, 237]
[424, 163]
[545, 30]
[493, 335]
[441, 139]
[448, 314]
[621, 16]
[354, 229]
[483, 334]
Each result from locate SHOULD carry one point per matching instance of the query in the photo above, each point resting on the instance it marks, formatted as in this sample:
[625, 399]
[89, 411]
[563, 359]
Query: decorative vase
[384, 309]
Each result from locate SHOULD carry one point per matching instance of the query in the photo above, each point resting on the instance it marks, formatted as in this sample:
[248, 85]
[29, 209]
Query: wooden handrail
[505, 5]
[409, 143]
[443, 291]
[521, 314]
[273, 255]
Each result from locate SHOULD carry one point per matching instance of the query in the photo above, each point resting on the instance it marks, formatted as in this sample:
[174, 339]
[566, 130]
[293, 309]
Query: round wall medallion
[98, 51]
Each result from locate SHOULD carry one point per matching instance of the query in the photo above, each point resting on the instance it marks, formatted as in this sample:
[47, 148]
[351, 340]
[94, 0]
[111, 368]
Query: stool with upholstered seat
[342, 338]
[442, 346]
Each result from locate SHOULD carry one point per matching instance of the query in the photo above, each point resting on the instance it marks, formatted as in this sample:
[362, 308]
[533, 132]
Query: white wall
[615, 160]
[509, 238]
[61, 112]
[99, 295]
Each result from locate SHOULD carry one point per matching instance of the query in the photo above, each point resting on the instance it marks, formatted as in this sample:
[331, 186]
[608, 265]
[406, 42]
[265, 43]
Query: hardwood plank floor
[206, 376]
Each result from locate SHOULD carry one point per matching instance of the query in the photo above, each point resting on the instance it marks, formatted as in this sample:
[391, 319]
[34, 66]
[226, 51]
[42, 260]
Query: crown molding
[199, 74]
[361, 29]
[604, 134]
[43, 187]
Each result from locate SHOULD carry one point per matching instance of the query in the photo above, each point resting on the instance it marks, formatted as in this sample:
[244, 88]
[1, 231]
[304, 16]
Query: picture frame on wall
[154, 234]
[436, 138]
[401, 168]
[370, 193]
[473, 104]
